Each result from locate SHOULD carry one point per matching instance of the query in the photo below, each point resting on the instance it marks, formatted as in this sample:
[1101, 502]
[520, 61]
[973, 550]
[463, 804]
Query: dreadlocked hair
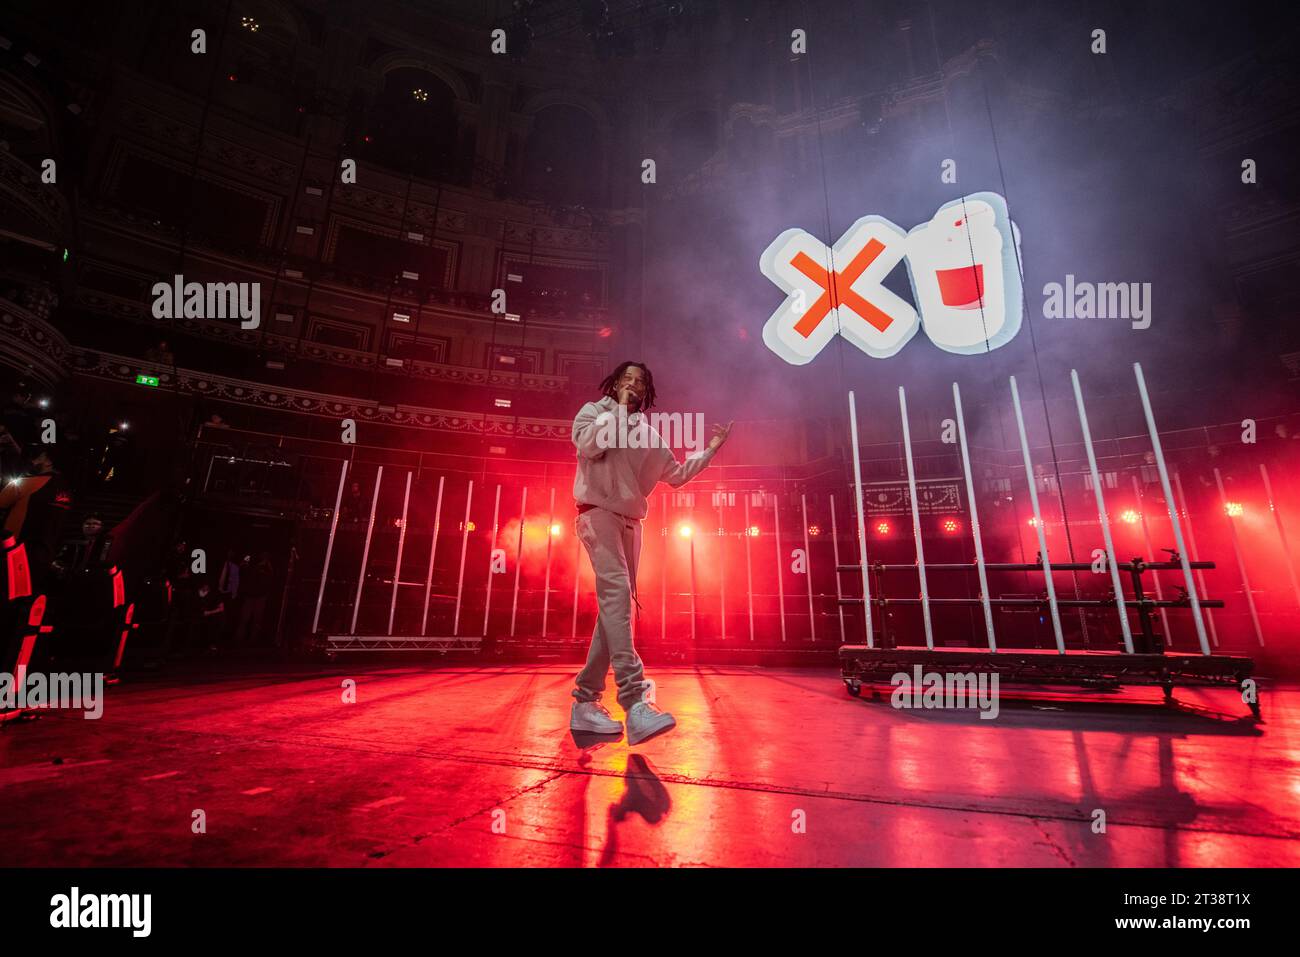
[608, 384]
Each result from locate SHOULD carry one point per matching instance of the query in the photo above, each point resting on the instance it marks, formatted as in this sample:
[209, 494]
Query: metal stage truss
[335, 644]
[729, 582]
[484, 579]
[1143, 660]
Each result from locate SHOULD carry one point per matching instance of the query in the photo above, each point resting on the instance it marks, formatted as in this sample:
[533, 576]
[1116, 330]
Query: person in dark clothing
[20, 416]
[161, 354]
[182, 600]
[255, 583]
[177, 564]
[116, 455]
[11, 453]
[228, 579]
[81, 603]
[89, 553]
[34, 507]
[211, 614]
[353, 504]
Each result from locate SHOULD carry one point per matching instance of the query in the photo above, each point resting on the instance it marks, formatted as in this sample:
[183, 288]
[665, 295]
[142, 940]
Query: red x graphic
[833, 283]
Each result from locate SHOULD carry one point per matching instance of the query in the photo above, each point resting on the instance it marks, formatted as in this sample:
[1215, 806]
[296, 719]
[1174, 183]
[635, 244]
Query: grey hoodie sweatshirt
[619, 479]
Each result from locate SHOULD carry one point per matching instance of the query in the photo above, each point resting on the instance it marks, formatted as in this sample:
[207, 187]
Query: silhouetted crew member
[35, 507]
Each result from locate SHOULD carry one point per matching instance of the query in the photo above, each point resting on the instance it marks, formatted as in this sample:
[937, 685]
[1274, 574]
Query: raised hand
[720, 434]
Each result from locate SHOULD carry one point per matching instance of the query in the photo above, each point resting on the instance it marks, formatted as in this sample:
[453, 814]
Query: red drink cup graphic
[959, 264]
[961, 288]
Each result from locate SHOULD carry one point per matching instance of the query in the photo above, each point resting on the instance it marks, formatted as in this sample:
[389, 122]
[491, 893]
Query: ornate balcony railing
[282, 345]
[31, 211]
[28, 343]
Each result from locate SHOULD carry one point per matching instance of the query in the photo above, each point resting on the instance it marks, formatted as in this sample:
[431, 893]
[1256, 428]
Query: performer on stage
[620, 460]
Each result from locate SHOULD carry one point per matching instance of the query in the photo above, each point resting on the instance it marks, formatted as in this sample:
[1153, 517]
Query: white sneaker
[593, 717]
[645, 720]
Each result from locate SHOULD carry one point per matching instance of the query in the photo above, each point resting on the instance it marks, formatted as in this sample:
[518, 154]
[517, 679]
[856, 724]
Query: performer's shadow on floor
[643, 794]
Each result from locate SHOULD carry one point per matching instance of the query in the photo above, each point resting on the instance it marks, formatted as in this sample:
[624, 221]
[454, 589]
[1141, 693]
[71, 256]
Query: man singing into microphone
[613, 480]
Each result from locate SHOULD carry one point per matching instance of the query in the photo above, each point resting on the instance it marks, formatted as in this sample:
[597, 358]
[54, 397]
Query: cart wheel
[854, 688]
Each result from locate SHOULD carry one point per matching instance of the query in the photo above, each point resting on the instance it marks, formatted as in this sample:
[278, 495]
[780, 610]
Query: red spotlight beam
[749, 570]
[807, 567]
[1103, 518]
[835, 551]
[1281, 532]
[577, 574]
[916, 521]
[663, 573]
[365, 553]
[492, 542]
[1038, 518]
[464, 550]
[975, 520]
[1173, 512]
[722, 568]
[691, 539]
[1146, 537]
[329, 547]
[401, 546]
[780, 585]
[519, 556]
[863, 566]
[1241, 562]
[433, 549]
[550, 541]
[1191, 540]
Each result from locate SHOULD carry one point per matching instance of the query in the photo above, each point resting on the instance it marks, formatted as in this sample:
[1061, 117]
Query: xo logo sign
[966, 282]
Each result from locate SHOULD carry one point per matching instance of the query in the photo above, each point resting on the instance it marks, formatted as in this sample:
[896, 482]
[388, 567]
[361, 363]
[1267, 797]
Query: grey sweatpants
[614, 544]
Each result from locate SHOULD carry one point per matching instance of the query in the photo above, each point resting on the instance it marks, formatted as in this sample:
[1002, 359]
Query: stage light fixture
[882, 528]
[1234, 509]
[752, 531]
[1033, 522]
[1129, 516]
[814, 530]
[555, 530]
[684, 531]
[951, 526]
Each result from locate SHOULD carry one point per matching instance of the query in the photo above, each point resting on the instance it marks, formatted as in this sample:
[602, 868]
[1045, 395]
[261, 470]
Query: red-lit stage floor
[431, 763]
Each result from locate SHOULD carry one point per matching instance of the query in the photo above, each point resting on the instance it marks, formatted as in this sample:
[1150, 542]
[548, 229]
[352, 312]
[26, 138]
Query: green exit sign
[146, 380]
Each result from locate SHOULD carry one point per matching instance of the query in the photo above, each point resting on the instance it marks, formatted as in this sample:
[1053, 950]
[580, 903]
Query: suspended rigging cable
[1038, 369]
